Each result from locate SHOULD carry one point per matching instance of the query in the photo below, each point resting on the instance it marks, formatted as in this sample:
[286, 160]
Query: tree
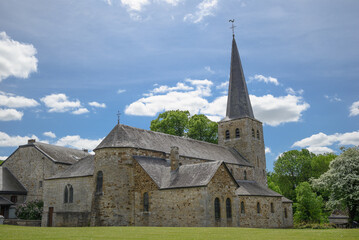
[172, 122]
[203, 129]
[342, 181]
[180, 123]
[292, 168]
[308, 205]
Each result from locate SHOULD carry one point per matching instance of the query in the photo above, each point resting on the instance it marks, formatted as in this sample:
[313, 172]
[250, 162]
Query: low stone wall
[21, 222]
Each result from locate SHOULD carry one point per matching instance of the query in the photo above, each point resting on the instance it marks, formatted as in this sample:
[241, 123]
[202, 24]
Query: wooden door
[50, 216]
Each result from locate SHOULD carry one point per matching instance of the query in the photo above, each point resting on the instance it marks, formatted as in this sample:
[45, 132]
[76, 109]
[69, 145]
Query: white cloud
[204, 9]
[119, 91]
[135, 5]
[208, 69]
[109, 2]
[223, 85]
[16, 59]
[3, 158]
[165, 88]
[49, 134]
[334, 98]
[277, 110]
[14, 141]
[291, 91]
[261, 78]
[10, 115]
[354, 109]
[320, 142]
[268, 109]
[267, 150]
[80, 111]
[96, 104]
[76, 141]
[12, 101]
[60, 103]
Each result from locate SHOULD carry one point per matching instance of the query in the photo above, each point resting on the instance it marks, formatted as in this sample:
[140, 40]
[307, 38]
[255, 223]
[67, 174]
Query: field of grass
[15, 232]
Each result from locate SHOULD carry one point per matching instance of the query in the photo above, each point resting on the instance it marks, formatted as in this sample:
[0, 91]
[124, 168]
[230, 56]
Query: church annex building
[144, 178]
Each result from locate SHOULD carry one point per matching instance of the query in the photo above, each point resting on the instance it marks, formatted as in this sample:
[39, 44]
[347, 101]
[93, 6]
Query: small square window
[13, 199]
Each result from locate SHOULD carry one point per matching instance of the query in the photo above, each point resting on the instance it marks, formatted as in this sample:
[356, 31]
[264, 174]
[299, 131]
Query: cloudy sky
[67, 67]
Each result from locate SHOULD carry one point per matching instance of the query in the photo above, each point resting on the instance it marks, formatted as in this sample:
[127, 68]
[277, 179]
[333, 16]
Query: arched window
[145, 202]
[217, 209]
[258, 207]
[285, 213]
[68, 194]
[257, 134]
[237, 133]
[271, 207]
[71, 194]
[253, 134]
[99, 181]
[243, 210]
[227, 134]
[228, 208]
[245, 175]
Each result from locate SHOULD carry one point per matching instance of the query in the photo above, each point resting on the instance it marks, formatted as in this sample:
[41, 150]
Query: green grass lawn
[15, 232]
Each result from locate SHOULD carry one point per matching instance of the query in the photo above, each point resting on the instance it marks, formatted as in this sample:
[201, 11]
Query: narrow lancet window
[285, 213]
[271, 207]
[253, 134]
[258, 134]
[227, 134]
[217, 209]
[68, 194]
[237, 133]
[99, 181]
[145, 202]
[228, 208]
[243, 210]
[245, 175]
[258, 207]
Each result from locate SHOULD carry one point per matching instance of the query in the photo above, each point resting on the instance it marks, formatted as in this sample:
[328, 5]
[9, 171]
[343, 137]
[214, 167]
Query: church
[144, 178]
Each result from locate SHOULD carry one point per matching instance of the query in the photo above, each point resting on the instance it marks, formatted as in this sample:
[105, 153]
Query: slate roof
[238, 103]
[126, 136]
[9, 184]
[59, 154]
[252, 188]
[4, 201]
[187, 175]
[286, 200]
[84, 167]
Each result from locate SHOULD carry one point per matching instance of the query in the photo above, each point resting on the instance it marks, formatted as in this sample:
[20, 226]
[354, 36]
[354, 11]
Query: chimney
[31, 141]
[174, 158]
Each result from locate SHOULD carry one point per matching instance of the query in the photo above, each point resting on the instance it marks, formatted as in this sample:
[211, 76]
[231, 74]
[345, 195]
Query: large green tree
[180, 123]
[294, 167]
[174, 122]
[342, 181]
[308, 206]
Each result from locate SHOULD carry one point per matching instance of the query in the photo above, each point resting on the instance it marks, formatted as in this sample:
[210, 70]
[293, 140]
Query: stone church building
[144, 178]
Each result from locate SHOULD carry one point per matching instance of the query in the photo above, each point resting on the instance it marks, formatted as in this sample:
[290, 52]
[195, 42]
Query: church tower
[239, 129]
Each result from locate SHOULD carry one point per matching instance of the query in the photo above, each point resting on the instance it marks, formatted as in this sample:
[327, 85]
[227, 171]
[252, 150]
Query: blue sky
[67, 67]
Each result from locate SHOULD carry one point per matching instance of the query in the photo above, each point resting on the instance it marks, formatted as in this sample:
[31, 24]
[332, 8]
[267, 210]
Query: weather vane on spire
[232, 21]
[118, 117]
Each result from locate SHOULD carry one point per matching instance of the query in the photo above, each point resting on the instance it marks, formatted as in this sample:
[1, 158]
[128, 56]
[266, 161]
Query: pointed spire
[238, 103]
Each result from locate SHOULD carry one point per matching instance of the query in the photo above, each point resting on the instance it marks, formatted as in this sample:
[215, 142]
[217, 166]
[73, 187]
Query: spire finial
[232, 21]
[118, 117]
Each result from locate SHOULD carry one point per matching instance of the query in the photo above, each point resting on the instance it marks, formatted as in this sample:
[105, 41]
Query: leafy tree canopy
[294, 167]
[180, 123]
[342, 181]
[308, 205]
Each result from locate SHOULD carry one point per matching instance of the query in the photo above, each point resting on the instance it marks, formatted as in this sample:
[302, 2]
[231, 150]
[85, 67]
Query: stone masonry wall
[184, 207]
[266, 218]
[68, 214]
[287, 220]
[252, 148]
[30, 167]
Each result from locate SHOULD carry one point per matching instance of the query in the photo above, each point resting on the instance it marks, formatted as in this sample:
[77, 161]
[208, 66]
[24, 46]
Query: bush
[303, 225]
[30, 211]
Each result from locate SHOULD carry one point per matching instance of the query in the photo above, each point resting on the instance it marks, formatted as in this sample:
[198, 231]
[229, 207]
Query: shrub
[30, 211]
